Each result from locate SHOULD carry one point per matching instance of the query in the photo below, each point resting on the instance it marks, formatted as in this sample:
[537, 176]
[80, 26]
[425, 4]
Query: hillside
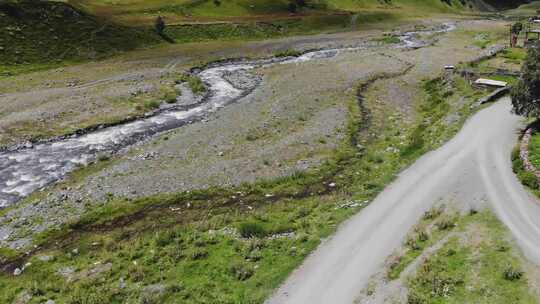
[43, 34]
[193, 10]
[48, 32]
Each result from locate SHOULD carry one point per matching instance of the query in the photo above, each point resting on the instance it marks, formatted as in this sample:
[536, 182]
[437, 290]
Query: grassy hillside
[529, 9]
[196, 10]
[38, 35]
[44, 33]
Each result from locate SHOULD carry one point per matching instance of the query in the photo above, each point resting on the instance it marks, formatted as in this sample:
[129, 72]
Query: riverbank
[214, 224]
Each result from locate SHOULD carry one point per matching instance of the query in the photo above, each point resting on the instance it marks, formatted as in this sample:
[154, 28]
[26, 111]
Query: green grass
[514, 55]
[195, 83]
[527, 178]
[525, 10]
[389, 39]
[288, 53]
[439, 94]
[534, 150]
[262, 30]
[175, 239]
[45, 34]
[422, 237]
[476, 267]
[245, 8]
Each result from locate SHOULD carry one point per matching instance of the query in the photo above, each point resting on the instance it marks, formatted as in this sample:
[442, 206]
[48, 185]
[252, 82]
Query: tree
[159, 24]
[517, 28]
[292, 7]
[526, 93]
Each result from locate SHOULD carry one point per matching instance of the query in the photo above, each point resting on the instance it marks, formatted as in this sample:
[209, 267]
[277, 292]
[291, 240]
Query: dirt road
[472, 170]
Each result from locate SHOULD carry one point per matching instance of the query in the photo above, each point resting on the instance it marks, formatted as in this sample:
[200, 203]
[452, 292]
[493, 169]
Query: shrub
[528, 179]
[152, 104]
[413, 244]
[159, 25]
[292, 7]
[170, 97]
[288, 53]
[445, 224]
[512, 274]
[251, 229]
[195, 83]
[165, 238]
[525, 93]
[136, 273]
[433, 213]
[241, 271]
[103, 157]
[198, 254]
[423, 236]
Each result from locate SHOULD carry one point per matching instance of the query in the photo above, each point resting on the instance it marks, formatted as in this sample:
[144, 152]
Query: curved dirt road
[472, 169]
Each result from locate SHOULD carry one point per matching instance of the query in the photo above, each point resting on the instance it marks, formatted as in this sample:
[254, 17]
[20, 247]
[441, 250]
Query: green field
[529, 9]
[47, 34]
[476, 265]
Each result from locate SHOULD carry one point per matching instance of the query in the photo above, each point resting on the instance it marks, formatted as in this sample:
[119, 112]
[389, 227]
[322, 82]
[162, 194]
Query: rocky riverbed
[292, 121]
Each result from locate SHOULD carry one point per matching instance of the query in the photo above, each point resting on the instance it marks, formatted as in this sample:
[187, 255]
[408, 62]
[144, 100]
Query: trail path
[473, 169]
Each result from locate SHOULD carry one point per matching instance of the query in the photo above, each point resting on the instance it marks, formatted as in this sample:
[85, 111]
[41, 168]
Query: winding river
[25, 170]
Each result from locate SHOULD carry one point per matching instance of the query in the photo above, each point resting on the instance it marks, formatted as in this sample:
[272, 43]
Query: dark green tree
[293, 8]
[517, 28]
[526, 93]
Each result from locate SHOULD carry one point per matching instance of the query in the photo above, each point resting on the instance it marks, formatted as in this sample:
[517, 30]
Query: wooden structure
[532, 30]
[490, 83]
[528, 31]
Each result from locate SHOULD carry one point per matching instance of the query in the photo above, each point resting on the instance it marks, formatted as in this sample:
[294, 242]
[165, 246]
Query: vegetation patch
[389, 39]
[526, 177]
[258, 30]
[195, 83]
[37, 35]
[476, 266]
[182, 246]
[433, 226]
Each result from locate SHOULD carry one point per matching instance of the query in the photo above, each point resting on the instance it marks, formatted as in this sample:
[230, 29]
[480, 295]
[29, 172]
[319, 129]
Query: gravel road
[473, 170]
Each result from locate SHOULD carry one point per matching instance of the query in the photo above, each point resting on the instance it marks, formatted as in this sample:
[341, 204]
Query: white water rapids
[28, 169]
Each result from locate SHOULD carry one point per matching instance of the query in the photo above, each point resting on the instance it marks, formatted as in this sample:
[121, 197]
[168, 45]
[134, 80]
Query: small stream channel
[30, 168]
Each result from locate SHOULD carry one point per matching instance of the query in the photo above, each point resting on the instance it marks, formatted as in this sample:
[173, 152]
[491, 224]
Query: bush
[413, 244]
[195, 83]
[170, 97]
[423, 236]
[152, 104]
[433, 213]
[525, 93]
[198, 254]
[288, 53]
[445, 224]
[528, 179]
[103, 157]
[252, 229]
[241, 271]
[512, 274]
[164, 238]
[159, 25]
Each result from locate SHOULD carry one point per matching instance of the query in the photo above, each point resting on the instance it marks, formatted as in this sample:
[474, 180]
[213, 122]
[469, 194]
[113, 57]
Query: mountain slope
[45, 32]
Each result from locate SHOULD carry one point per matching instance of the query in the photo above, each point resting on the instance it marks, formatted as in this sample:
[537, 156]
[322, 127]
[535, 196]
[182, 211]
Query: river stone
[23, 298]
[242, 79]
[152, 293]
[45, 258]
